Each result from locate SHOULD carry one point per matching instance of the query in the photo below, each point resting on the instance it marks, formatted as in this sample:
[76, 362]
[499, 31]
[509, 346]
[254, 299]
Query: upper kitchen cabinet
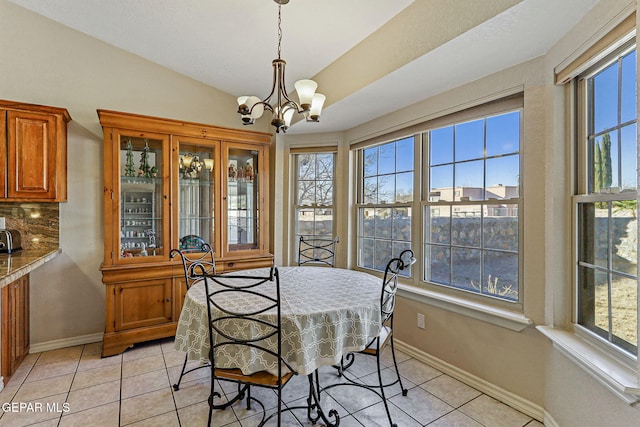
[33, 149]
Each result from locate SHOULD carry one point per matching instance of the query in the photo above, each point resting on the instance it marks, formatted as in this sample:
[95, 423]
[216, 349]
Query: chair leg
[395, 364]
[248, 388]
[176, 386]
[211, 396]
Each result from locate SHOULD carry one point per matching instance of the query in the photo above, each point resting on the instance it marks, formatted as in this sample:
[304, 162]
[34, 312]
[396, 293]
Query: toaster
[10, 241]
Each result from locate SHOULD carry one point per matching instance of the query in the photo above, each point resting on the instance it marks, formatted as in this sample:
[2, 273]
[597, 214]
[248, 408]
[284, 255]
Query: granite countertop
[15, 265]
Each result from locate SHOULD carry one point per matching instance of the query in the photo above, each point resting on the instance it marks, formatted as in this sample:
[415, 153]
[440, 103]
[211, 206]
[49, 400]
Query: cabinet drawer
[245, 264]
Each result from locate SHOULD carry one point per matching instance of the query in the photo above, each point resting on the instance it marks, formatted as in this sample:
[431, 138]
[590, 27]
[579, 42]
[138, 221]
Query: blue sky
[466, 145]
[605, 116]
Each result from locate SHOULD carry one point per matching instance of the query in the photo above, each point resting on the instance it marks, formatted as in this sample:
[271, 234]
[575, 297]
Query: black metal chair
[194, 264]
[317, 250]
[385, 337]
[254, 326]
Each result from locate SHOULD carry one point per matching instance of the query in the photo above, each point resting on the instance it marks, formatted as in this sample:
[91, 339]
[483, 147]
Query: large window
[386, 196]
[451, 192]
[314, 195]
[471, 222]
[606, 207]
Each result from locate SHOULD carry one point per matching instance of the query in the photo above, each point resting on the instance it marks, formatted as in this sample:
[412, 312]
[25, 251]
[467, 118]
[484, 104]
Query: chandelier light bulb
[306, 89]
[186, 161]
[316, 107]
[288, 115]
[255, 106]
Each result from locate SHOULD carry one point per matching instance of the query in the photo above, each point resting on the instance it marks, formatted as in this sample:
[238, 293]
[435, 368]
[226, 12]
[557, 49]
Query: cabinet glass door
[141, 197]
[196, 196]
[242, 199]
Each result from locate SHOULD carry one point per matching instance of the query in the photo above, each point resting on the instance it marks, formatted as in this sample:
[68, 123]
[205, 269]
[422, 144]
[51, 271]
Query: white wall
[46, 63]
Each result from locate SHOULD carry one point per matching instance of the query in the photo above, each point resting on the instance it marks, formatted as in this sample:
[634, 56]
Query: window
[314, 183]
[463, 190]
[471, 212]
[386, 196]
[606, 206]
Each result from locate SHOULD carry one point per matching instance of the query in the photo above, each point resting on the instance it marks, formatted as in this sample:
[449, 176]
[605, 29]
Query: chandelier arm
[266, 105]
[283, 91]
[294, 105]
[274, 84]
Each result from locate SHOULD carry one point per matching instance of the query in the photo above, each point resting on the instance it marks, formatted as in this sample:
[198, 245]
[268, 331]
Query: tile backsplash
[38, 223]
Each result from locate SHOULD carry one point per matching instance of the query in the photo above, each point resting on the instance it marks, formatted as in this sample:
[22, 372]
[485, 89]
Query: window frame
[518, 304]
[360, 196]
[504, 313]
[295, 207]
[583, 193]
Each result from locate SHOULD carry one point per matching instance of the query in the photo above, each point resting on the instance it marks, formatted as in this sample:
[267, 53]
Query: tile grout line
[173, 395]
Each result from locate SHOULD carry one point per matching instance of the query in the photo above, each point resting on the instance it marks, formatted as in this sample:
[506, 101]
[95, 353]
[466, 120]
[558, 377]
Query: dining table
[326, 313]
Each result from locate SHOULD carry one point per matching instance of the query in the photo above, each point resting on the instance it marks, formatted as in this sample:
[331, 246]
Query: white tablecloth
[326, 313]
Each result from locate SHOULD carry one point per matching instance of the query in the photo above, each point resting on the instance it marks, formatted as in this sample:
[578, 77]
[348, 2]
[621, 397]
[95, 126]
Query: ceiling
[370, 57]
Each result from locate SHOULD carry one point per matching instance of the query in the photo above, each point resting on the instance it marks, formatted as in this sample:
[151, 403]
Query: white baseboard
[65, 342]
[523, 405]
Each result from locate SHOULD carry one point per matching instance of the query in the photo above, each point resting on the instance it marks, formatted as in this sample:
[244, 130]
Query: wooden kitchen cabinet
[15, 325]
[173, 184]
[33, 149]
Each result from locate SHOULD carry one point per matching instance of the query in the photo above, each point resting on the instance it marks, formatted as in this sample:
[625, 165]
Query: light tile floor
[76, 387]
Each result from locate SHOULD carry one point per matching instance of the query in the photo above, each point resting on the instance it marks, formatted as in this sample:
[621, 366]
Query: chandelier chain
[279, 29]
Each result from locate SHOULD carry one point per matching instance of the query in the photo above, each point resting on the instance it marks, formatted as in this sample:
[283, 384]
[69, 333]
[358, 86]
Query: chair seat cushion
[384, 335]
[263, 378]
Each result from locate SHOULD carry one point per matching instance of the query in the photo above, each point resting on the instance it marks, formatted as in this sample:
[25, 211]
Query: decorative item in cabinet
[140, 209]
[196, 195]
[243, 222]
[138, 235]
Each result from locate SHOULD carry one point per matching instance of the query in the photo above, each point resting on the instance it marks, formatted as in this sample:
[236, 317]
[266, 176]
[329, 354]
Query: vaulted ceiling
[369, 57]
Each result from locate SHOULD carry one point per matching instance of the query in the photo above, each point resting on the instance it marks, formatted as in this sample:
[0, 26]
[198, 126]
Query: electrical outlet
[421, 321]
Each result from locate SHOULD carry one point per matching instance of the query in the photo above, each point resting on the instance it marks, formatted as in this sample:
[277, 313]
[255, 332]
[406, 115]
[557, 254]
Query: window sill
[615, 376]
[484, 312]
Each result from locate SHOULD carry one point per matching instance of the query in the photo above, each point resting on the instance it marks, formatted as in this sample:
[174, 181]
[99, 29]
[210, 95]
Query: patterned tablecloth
[326, 313]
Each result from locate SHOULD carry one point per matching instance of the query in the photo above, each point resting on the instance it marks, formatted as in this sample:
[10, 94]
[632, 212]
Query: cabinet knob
[168, 300]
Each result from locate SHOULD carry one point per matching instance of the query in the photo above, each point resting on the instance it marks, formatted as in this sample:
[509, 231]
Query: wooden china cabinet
[173, 184]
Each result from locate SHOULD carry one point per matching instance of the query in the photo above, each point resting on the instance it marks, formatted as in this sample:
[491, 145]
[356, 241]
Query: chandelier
[283, 107]
[190, 165]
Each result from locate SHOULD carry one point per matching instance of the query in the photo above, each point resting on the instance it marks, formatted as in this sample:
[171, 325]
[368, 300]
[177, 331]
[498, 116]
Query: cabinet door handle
[168, 300]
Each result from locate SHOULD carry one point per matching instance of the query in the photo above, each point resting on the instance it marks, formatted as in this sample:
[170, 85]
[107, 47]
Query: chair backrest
[390, 282]
[317, 250]
[244, 314]
[195, 264]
